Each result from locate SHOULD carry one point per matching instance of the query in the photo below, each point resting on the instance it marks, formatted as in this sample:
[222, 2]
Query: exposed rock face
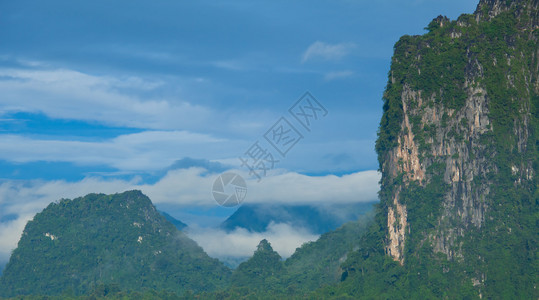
[455, 144]
[437, 132]
[396, 224]
[492, 8]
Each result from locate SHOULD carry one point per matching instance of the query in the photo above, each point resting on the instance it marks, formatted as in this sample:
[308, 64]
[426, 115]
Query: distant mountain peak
[264, 264]
[315, 219]
[264, 245]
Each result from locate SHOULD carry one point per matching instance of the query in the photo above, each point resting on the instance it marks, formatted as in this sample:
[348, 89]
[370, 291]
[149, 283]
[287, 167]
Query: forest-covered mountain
[120, 245]
[313, 265]
[73, 246]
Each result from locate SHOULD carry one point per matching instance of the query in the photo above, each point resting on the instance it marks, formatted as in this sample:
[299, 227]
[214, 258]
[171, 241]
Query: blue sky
[108, 95]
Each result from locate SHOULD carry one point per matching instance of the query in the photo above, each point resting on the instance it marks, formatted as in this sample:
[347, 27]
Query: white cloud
[117, 101]
[324, 51]
[338, 75]
[147, 150]
[182, 187]
[10, 233]
[241, 243]
[294, 188]
[168, 103]
[192, 188]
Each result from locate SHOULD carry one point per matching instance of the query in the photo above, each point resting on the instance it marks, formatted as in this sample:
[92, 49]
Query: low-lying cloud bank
[193, 187]
[21, 200]
[242, 243]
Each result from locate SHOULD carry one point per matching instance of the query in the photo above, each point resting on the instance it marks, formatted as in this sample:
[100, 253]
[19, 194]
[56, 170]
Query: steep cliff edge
[458, 152]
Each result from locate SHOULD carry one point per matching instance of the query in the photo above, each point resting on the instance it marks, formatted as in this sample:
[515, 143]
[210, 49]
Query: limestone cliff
[457, 144]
